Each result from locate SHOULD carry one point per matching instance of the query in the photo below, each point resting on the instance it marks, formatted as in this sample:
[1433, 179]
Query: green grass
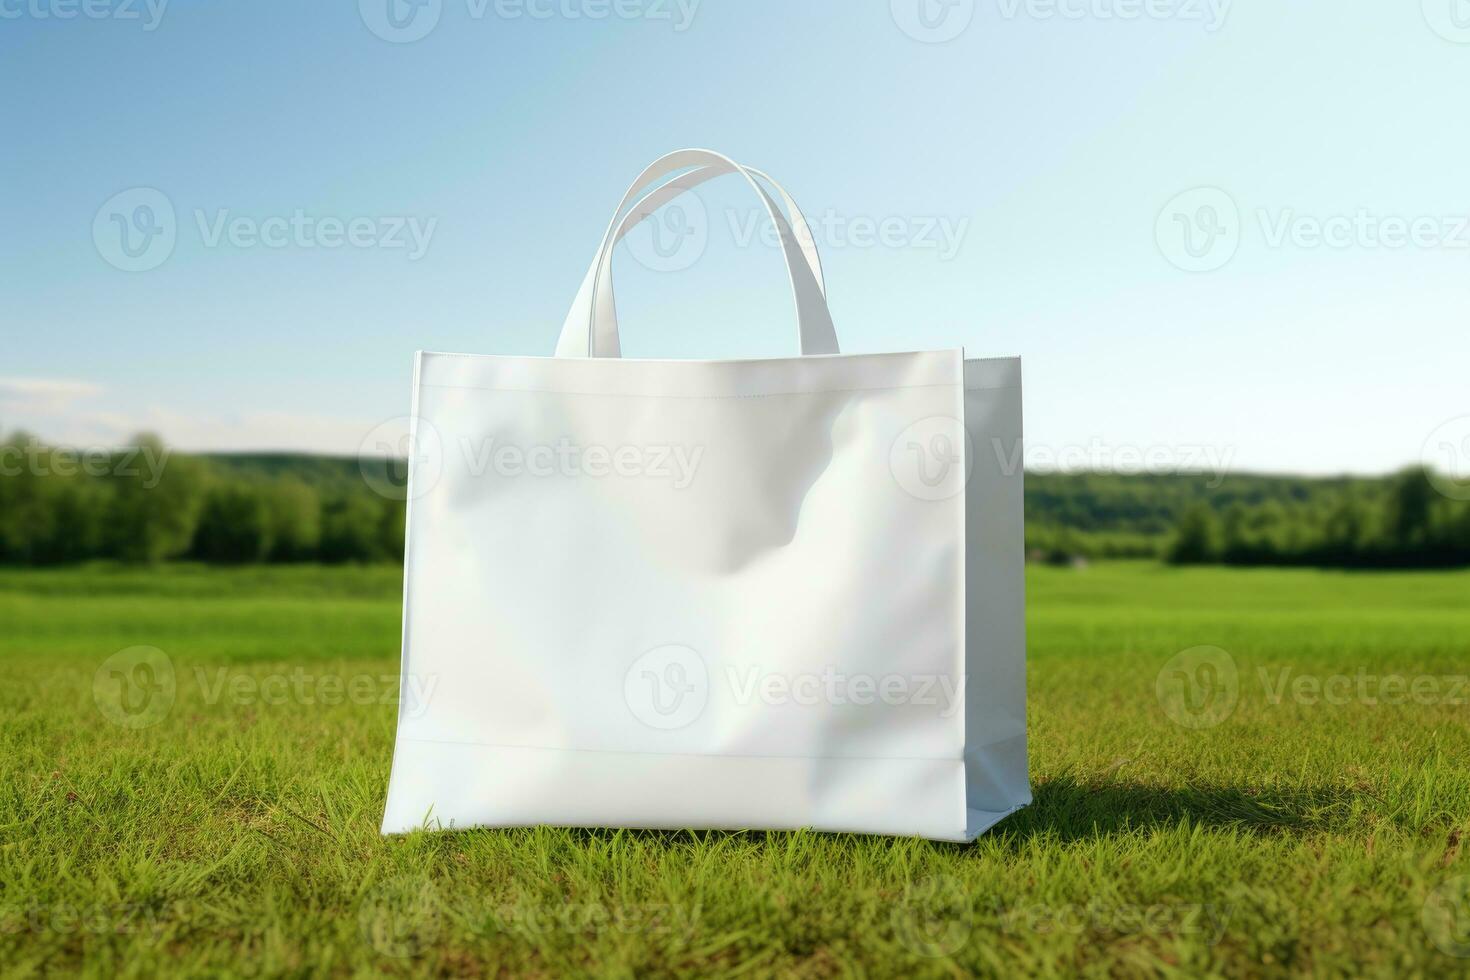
[239, 835]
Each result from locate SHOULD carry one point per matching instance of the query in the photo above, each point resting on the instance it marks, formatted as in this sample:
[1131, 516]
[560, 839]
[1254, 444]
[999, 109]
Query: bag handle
[649, 205]
[590, 329]
[571, 340]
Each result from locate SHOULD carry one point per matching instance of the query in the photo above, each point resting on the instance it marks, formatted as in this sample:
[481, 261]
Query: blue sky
[1222, 232]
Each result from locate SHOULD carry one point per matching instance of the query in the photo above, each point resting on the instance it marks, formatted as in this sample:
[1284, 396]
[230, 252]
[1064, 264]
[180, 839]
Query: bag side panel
[996, 777]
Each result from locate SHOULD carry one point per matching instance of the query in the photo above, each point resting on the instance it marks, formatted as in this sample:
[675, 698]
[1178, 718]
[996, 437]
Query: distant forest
[1397, 521]
[146, 504]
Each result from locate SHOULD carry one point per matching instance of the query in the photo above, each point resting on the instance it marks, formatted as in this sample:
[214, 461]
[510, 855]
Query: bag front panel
[613, 561]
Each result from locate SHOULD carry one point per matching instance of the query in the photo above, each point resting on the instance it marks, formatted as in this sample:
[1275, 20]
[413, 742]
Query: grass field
[1236, 772]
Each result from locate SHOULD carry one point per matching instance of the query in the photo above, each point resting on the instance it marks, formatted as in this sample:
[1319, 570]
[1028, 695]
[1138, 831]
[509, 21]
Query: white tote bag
[768, 594]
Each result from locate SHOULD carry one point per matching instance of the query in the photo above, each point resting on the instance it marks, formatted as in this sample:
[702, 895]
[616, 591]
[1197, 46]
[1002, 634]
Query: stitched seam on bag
[767, 394]
[812, 358]
[699, 755]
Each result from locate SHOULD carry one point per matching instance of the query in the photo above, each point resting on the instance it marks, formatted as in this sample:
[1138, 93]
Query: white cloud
[71, 413]
[43, 395]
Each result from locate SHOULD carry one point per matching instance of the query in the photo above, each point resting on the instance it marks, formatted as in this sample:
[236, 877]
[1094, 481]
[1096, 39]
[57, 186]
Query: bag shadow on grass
[1067, 809]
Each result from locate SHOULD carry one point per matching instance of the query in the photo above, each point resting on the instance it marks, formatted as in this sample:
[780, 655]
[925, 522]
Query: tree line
[147, 504]
[1412, 519]
[1401, 522]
